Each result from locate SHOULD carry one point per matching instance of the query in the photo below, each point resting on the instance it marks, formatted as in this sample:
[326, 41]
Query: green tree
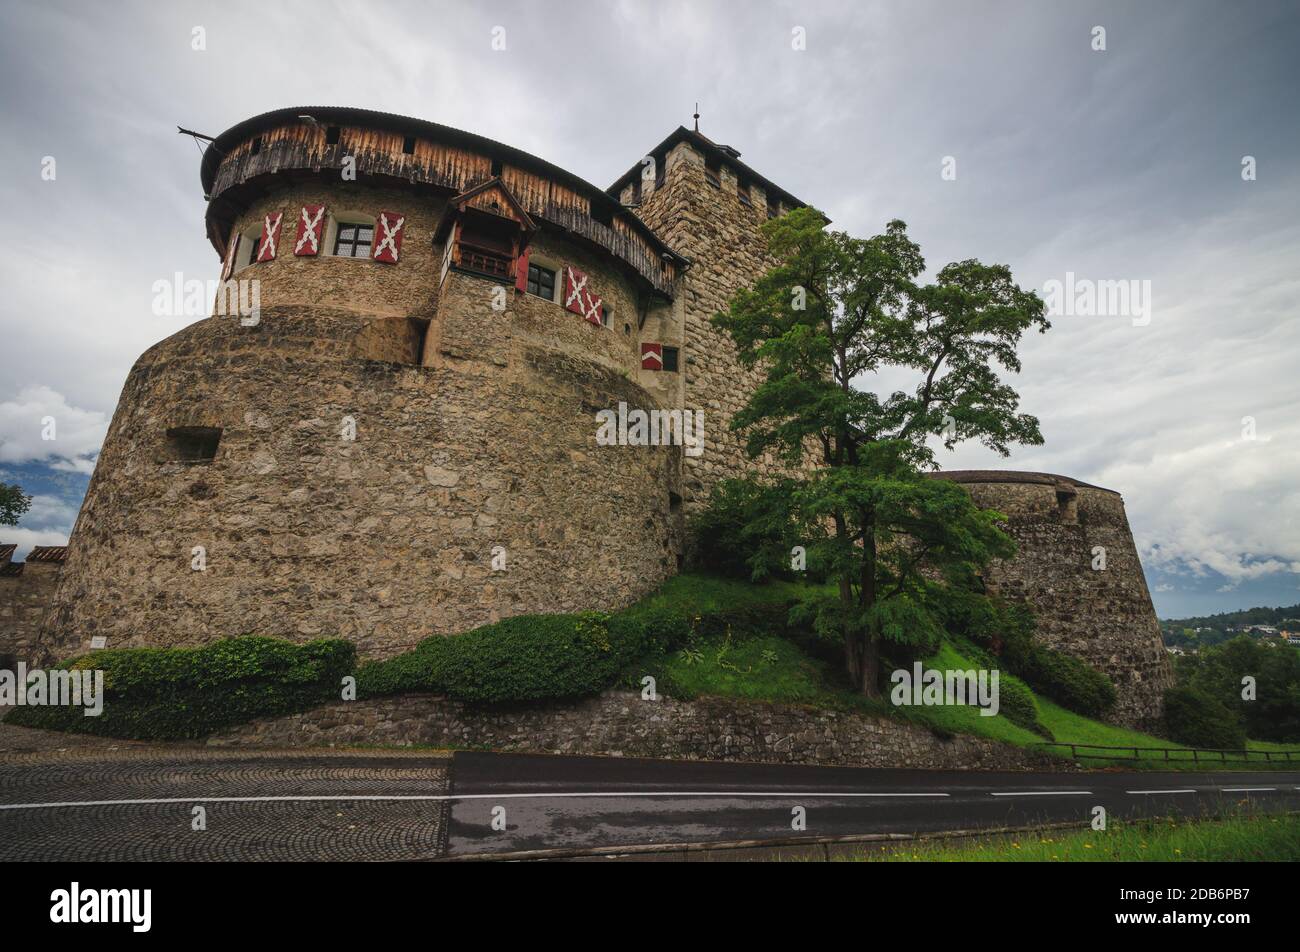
[835, 311]
[13, 503]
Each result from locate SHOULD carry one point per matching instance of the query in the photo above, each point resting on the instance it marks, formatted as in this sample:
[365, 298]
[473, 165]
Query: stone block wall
[26, 593]
[721, 235]
[621, 724]
[382, 540]
[1103, 616]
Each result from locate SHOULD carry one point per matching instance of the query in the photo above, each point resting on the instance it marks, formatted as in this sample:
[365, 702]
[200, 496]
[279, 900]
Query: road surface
[140, 803]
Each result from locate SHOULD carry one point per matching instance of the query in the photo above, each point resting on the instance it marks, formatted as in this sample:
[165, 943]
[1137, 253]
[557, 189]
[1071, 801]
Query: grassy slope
[774, 669]
[1270, 838]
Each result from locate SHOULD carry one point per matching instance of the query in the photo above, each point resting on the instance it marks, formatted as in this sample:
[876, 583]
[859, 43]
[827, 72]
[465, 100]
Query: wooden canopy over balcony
[306, 141]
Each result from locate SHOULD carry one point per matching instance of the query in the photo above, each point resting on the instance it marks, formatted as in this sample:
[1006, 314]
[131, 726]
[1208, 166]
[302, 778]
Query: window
[193, 444]
[485, 247]
[254, 246]
[600, 212]
[353, 240]
[670, 359]
[408, 145]
[742, 193]
[496, 167]
[541, 282]
[604, 316]
[660, 171]
[713, 173]
[636, 190]
[256, 147]
[773, 206]
[332, 135]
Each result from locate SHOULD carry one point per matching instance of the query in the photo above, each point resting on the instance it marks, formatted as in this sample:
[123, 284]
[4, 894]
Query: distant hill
[1247, 616]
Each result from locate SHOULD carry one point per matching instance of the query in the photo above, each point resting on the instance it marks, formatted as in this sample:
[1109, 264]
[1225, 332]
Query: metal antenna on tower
[697, 117]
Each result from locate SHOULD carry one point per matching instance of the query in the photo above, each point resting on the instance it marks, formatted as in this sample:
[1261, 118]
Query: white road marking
[1046, 793]
[807, 795]
[1160, 791]
[1246, 789]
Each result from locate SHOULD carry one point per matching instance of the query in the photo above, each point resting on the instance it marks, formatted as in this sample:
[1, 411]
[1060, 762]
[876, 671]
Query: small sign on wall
[98, 642]
[652, 356]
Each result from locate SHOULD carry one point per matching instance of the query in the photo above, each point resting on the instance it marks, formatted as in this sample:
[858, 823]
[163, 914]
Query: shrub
[1196, 719]
[175, 693]
[1016, 703]
[525, 658]
[1063, 678]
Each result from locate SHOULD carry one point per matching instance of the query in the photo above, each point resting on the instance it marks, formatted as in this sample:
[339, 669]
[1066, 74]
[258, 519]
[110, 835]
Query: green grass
[701, 594]
[964, 719]
[777, 670]
[764, 668]
[1239, 839]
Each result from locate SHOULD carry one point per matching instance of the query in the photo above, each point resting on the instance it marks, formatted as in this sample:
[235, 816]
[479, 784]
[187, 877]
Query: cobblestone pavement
[317, 805]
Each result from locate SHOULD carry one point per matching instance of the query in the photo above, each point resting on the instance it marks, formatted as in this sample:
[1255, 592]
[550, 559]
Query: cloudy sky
[1122, 164]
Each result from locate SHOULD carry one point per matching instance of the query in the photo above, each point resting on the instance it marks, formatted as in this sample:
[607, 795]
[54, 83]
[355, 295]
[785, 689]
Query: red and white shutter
[311, 225]
[591, 308]
[575, 290]
[388, 237]
[521, 272]
[652, 356]
[271, 225]
[232, 249]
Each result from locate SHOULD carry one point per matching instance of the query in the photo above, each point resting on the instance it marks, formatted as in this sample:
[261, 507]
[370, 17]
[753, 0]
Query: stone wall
[1103, 616]
[721, 235]
[384, 539]
[622, 724]
[26, 592]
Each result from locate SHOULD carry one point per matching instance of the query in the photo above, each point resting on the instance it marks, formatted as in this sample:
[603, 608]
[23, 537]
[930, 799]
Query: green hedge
[1061, 677]
[1197, 719]
[176, 693]
[532, 658]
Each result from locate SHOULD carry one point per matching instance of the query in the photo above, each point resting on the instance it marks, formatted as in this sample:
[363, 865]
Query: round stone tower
[387, 428]
[1078, 568]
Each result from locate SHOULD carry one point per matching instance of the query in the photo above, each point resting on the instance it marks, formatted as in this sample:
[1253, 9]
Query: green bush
[1059, 676]
[1196, 719]
[525, 658]
[1016, 703]
[175, 693]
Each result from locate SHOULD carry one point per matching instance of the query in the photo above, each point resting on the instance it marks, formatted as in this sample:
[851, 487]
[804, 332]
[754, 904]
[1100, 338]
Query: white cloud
[38, 412]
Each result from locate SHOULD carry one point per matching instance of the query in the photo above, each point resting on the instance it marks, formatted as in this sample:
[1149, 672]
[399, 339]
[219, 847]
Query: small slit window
[496, 167]
[332, 135]
[408, 145]
[742, 193]
[713, 174]
[1067, 505]
[670, 359]
[353, 240]
[541, 282]
[773, 207]
[193, 444]
[256, 146]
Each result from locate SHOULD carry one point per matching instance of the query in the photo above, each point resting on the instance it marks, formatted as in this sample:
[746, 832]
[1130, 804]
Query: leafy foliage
[835, 311]
[1218, 673]
[175, 693]
[13, 504]
[1197, 719]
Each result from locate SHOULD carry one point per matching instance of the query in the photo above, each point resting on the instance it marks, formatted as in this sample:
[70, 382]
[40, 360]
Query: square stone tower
[708, 206]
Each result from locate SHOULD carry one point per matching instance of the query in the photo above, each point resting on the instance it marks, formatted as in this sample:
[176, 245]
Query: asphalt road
[139, 804]
[585, 802]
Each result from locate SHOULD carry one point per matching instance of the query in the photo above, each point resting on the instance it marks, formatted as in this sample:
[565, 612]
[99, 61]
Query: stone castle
[398, 438]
